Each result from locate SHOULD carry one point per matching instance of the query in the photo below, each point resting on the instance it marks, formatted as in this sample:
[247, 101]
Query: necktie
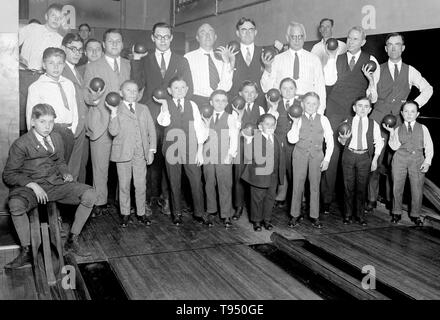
[131, 107]
[248, 107]
[296, 67]
[179, 106]
[216, 117]
[116, 67]
[47, 145]
[409, 128]
[248, 56]
[352, 63]
[63, 96]
[214, 78]
[396, 72]
[163, 67]
[359, 135]
[270, 138]
[287, 104]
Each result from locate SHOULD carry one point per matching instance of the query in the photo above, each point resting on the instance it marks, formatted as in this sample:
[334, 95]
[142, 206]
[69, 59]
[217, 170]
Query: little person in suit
[264, 172]
[308, 133]
[410, 140]
[37, 173]
[133, 148]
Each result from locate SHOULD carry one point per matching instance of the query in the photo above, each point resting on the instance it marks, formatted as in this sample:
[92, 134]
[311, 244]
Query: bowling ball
[332, 44]
[113, 99]
[270, 52]
[344, 127]
[140, 48]
[238, 102]
[295, 111]
[249, 128]
[390, 120]
[217, 55]
[96, 84]
[207, 111]
[160, 93]
[372, 64]
[274, 95]
[234, 45]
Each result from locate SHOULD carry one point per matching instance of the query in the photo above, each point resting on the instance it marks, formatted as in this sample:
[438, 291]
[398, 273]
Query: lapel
[124, 110]
[172, 66]
[67, 73]
[106, 68]
[256, 57]
[154, 65]
[35, 143]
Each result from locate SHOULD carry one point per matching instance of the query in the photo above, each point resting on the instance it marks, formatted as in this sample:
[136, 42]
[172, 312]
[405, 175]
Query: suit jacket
[29, 161]
[123, 129]
[243, 72]
[255, 173]
[79, 93]
[99, 115]
[146, 73]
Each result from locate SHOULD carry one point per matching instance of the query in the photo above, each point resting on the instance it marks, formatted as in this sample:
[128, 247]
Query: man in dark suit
[248, 65]
[114, 70]
[73, 46]
[151, 71]
[37, 173]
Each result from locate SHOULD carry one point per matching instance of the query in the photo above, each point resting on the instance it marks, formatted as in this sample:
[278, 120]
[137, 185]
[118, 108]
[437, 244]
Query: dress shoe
[72, 245]
[204, 220]
[177, 219]
[165, 206]
[316, 223]
[257, 226]
[227, 223]
[144, 220]
[280, 204]
[293, 222]
[98, 211]
[124, 222]
[237, 214]
[395, 218]
[267, 225]
[326, 208]
[362, 222]
[23, 260]
[347, 220]
[417, 221]
[371, 205]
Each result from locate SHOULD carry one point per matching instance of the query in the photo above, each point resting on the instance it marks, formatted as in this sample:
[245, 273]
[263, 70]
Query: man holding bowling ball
[114, 70]
[326, 31]
[392, 89]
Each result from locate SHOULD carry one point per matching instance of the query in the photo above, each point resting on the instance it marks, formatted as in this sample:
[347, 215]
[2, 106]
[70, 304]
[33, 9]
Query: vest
[391, 94]
[243, 72]
[181, 132]
[284, 123]
[252, 116]
[349, 86]
[370, 136]
[412, 143]
[217, 145]
[311, 136]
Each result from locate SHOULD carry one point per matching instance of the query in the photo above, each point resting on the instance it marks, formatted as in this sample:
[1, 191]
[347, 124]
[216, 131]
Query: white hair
[294, 24]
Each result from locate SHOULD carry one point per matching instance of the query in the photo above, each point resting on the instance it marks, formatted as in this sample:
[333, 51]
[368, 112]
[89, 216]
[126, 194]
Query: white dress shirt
[414, 79]
[377, 137]
[111, 62]
[199, 65]
[331, 72]
[395, 144]
[46, 90]
[320, 50]
[36, 38]
[244, 48]
[164, 119]
[166, 57]
[311, 77]
[293, 134]
[233, 131]
[41, 140]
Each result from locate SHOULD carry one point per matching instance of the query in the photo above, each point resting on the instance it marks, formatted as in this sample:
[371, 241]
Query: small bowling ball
[372, 64]
[217, 55]
[332, 44]
[96, 84]
[270, 52]
[274, 95]
[249, 129]
[207, 111]
[234, 45]
[140, 48]
[343, 128]
[113, 99]
[390, 120]
[295, 111]
[238, 102]
[160, 93]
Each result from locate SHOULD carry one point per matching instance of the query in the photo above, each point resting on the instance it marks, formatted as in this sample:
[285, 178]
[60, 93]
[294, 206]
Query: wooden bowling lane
[405, 258]
[220, 272]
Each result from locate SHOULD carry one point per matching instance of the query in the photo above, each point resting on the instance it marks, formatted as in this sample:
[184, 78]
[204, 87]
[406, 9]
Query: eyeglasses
[300, 37]
[159, 37]
[76, 50]
[247, 30]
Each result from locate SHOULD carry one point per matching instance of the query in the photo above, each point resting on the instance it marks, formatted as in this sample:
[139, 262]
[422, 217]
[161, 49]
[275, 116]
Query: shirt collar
[356, 56]
[292, 52]
[219, 113]
[111, 60]
[268, 137]
[244, 46]
[40, 138]
[166, 52]
[391, 65]
[203, 51]
[412, 123]
[182, 101]
[45, 77]
[133, 104]
[312, 116]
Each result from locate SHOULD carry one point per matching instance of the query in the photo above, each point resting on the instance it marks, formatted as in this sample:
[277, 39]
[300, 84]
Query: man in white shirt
[209, 73]
[396, 79]
[325, 29]
[296, 63]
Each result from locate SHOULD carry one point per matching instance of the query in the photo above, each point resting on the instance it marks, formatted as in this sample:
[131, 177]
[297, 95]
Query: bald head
[206, 36]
